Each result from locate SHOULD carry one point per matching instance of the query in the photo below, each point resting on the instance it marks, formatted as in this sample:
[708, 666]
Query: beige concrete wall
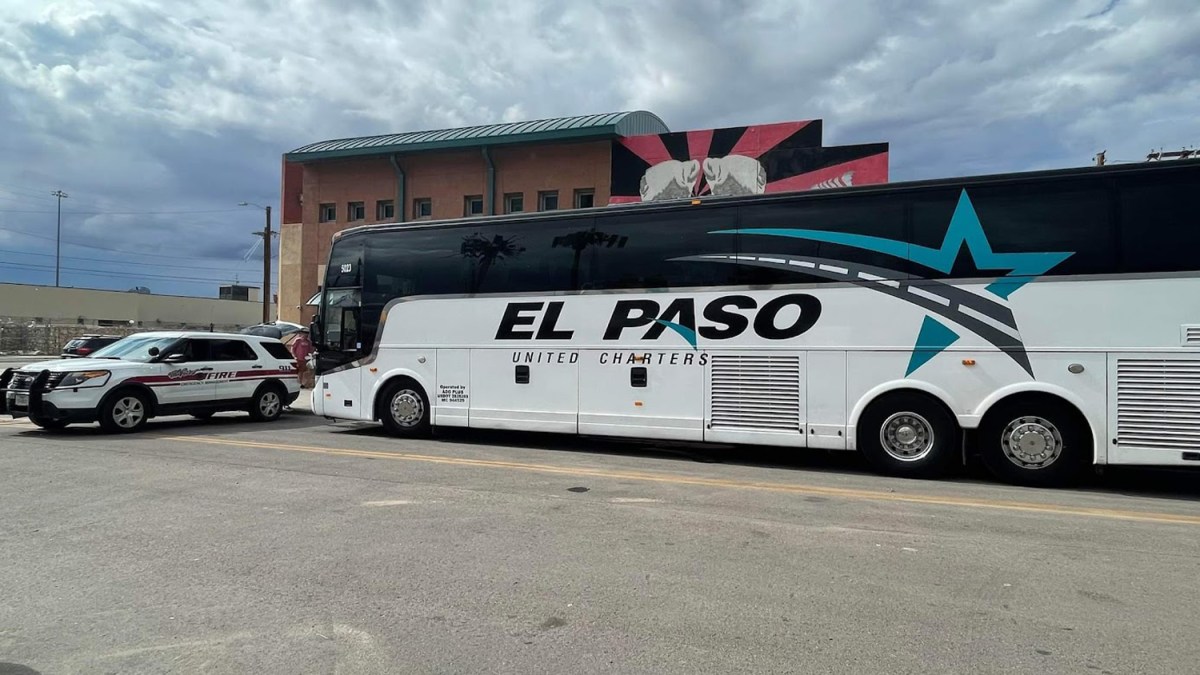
[70, 305]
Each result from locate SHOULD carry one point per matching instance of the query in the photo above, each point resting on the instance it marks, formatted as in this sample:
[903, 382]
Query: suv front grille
[23, 381]
[20, 381]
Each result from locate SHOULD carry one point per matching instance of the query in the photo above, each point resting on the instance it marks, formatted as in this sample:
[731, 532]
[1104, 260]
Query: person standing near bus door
[301, 347]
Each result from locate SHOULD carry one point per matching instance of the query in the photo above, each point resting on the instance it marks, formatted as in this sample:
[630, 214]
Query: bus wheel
[404, 409]
[908, 434]
[1036, 441]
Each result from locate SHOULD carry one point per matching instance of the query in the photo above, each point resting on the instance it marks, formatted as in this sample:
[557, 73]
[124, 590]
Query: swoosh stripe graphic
[687, 333]
[1009, 344]
[965, 228]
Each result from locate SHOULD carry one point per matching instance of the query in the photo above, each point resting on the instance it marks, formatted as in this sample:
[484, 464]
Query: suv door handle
[201, 370]
[256, 366]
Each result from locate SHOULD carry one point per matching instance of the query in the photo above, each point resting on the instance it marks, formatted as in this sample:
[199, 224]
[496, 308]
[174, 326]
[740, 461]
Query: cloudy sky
[157, 117]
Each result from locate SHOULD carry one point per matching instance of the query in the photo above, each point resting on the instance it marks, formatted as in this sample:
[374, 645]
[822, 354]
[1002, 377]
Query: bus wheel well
[888, 397]
[1035, 399]
[1035, 438]
[386, 386]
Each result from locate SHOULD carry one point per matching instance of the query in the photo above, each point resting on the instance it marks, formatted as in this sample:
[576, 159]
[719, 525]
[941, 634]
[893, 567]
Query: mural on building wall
[747, 160]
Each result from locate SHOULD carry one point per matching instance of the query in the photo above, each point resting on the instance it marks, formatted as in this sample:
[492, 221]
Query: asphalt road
[300, 546]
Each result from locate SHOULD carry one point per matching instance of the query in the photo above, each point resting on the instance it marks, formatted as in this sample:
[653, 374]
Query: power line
[121, 213]
[122, 262]
[101, 248]
[37, 192]
[24, 194]
[108, 273]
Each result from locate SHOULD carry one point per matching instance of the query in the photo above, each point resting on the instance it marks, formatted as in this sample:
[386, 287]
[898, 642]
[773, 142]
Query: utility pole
[266, 235]
[58, 237]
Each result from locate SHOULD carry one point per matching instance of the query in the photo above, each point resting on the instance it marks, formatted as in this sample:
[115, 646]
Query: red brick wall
[289, 202]
[566, 168]
[445, 177]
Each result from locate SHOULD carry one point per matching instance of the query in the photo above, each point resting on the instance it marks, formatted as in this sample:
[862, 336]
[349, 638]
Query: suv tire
[267, 404]
[125, 411]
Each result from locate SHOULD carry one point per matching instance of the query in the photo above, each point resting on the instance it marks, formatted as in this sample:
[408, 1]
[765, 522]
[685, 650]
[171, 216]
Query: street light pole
[58, 237]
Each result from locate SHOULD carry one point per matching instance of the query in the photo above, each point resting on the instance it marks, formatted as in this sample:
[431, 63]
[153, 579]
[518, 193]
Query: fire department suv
[153, 374]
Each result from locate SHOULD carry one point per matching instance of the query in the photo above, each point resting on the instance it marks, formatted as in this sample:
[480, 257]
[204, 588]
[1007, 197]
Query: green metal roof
[582, 127]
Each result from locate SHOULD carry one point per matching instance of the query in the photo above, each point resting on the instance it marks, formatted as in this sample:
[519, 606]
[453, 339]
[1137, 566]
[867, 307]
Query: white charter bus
[1045, 320]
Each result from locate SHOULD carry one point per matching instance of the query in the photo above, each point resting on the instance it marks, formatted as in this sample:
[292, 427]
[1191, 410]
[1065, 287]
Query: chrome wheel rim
[128, 412]
[269, 404]
[407, 408]
[906, 436]
[1032, 442]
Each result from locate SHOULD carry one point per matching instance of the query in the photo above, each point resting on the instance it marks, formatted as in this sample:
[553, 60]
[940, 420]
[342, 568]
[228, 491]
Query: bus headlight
[88, 378]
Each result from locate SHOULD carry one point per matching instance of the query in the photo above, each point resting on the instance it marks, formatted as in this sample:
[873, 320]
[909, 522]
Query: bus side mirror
[314, 330]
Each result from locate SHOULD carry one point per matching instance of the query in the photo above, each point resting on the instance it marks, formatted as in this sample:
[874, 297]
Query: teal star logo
[965, 231]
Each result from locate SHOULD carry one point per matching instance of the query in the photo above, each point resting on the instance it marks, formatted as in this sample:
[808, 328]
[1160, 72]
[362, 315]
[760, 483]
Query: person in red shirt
[301, 347]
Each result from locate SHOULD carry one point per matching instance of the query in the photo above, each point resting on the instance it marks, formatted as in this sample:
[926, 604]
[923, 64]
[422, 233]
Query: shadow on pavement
[1179, 484]
[224, 422]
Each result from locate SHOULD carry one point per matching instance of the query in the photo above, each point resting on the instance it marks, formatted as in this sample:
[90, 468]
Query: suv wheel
[267, 404]
[124, 412]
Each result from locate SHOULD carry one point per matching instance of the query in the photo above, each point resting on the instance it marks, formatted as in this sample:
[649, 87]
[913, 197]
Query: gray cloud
[145, 105]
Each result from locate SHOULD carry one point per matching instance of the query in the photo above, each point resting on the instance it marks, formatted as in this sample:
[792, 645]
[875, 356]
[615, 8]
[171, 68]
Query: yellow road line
[674, 479]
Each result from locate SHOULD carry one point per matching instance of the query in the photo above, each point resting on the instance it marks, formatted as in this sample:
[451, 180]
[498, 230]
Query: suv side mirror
[176, 358]
[154, 351]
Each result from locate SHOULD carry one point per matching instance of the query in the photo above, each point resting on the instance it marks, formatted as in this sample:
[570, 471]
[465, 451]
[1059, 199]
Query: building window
[473, 205]
[422, 208]
[385, 209]
[548, 201]
[356, 211]
[328, 213]
[585, 199]
[514, 203]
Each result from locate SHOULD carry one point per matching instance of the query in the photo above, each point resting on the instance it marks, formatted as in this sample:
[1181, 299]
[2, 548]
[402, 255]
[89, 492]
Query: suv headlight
[89, 378]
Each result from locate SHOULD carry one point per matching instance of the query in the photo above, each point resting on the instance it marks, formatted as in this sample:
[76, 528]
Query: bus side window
[1158, 223]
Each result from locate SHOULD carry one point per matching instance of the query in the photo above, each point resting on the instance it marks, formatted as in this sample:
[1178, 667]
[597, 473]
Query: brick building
[571, 162]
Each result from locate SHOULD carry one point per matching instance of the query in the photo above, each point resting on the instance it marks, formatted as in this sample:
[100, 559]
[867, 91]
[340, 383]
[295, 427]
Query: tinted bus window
[1160, 224]
[345, 264]
[400, 263]
[848, 230]
[519, 257]
[1068, 217]
[642, 249]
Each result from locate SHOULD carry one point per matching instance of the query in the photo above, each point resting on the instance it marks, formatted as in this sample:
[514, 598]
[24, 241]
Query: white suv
[152, 374]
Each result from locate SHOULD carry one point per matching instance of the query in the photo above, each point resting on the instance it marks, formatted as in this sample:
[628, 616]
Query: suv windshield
[135, 348]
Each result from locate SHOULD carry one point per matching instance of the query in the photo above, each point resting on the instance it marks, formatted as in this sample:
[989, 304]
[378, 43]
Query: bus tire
[1039, 441]
[403, 408]
[909, 434]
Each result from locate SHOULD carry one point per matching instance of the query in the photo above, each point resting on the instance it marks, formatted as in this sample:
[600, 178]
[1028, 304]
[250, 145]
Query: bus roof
[878, 188]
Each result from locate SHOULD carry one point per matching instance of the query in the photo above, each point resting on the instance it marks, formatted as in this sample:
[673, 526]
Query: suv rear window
[278, 350]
